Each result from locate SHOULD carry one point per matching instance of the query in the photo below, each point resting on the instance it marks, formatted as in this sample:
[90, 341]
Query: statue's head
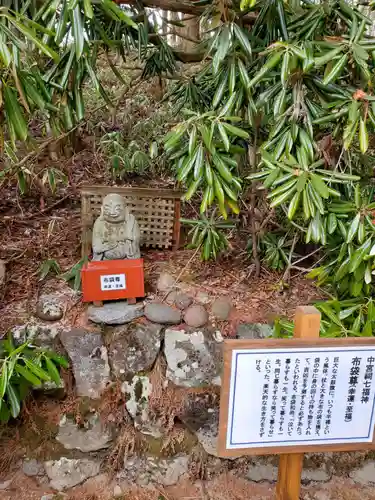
[114, 208]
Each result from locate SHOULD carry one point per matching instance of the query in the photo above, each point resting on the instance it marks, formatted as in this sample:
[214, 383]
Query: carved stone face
[114, 208]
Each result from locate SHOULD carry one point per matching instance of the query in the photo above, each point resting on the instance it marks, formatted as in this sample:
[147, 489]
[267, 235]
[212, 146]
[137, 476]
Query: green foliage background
[282, 105]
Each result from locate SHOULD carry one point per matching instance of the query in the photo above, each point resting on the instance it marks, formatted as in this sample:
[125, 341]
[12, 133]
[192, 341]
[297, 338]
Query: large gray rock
[162, 313]
[50, 307]
[89, 361]
[92, 437]
[38, 333]
[115, 313]
[134, 348]
[138, 391]
[221, 308]
[148, 469]
[365, 474]
[196, 316]
[194, 358]
[254, 331]
[66, 473]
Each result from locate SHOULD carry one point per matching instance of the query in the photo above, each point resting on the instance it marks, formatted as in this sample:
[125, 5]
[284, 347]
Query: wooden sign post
[293, 396]
[306, 326]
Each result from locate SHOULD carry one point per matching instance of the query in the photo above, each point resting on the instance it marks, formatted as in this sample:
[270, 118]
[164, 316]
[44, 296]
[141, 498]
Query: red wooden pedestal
[112, 280]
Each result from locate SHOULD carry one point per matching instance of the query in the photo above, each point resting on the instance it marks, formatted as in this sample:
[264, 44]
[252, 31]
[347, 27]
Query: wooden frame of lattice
[156, 210]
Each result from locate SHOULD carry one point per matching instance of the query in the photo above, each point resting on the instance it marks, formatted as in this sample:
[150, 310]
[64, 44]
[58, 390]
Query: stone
[89, 361]
[116, 233]
[40, 334]
[50, 388]
[208, 433]
[316, 475]
[221, 308]
[201, 417]
[202, 297]
[93, 436]
[148, 469]
[198, 408]
[117, 491]
[50, 307]
[48, 497]
[196, 316]
[254, 331]
[5, 484]
[179, 299]
[365, 474]
[138, 391]
[115, 313]
[165, 282]
[66, 473]
[162, 313]
[32, 468]
[194, 359]
[262, 472]
[134, 348]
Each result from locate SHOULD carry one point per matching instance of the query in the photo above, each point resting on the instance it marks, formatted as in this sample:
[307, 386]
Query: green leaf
[4, 413]
[52, 370]
[353, 228]
[235, 130]
[328, 311]
[14, 113]
[332, 223]
[242, 38]
[27, 375]
[33, 38]
[3, 379]
[14, 401]
[319, 185]
[60, 360]
[336, 70]
[88, 9]
[39, 372]
[345, 313]
[363, 136]
[78, 31]
[358, 256]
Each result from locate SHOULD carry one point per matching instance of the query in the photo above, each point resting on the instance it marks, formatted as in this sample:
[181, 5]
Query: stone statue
[116, 232]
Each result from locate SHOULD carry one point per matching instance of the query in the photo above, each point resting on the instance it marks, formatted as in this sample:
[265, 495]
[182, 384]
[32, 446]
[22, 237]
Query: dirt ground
[224, 487]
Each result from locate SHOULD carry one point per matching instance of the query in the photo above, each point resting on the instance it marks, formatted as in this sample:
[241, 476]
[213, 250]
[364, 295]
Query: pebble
[165, 282]
[196, 316]
[221, 308]
[162, 313]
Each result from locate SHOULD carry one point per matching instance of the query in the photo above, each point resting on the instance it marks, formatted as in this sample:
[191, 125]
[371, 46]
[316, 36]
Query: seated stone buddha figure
[116, 232]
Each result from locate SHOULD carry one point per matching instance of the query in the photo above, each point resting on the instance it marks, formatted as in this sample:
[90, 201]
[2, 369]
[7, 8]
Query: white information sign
[113, 282]
[301, 396]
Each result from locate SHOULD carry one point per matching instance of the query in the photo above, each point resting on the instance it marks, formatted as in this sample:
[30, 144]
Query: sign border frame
[230, 346]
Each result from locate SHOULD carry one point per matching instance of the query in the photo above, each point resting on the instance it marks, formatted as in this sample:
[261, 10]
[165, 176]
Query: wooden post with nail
[306, 326]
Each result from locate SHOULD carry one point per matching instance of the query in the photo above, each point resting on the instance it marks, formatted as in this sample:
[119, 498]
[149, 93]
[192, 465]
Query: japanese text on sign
[113, 282]
[306, 396]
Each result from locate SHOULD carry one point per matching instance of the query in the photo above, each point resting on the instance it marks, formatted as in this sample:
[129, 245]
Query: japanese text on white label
[307, 396]
[113, 282]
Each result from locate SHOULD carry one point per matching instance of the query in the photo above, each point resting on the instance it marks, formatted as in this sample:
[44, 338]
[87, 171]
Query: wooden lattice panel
[157, 213]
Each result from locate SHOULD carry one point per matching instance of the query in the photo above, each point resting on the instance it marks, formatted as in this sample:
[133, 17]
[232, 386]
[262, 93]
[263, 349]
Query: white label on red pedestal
[113, 282]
